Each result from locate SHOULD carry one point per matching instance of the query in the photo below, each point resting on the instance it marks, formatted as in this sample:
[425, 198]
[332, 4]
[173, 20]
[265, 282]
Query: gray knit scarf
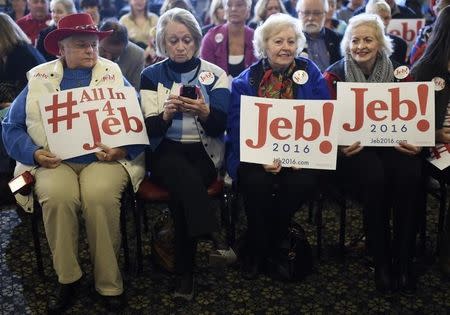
[383, 70]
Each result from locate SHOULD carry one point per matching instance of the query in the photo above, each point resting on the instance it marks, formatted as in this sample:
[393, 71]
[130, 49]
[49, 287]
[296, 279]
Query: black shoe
[62, 298]
[114, 303]
[383, 279]
[250, 267]
[406, 280]
[184, 288]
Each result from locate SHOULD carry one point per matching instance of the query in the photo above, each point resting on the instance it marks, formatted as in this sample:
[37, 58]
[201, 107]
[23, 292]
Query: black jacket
[441, 98]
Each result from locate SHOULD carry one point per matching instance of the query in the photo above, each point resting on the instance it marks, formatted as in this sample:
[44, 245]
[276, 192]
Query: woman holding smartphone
[186, 133]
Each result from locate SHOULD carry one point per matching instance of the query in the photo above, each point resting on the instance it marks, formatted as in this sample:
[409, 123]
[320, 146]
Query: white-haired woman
[59, 9]
[383, 10]
[230, 45]
[383, 177]
[278, 42]
[186, 133]
[264, 9]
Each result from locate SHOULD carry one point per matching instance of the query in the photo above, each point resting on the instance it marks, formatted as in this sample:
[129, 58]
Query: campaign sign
[298, 133]
[384, 114]
[440, 155]
[408, 29]
[76, 119]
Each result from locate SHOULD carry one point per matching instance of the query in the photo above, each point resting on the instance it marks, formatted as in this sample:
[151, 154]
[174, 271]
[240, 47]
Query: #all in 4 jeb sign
[384, 114]
[76, 119]
[298, 133]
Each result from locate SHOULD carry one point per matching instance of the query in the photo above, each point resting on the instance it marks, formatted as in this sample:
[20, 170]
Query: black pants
[186, 171]
[270, 201]
[385, 178]
[445, 236]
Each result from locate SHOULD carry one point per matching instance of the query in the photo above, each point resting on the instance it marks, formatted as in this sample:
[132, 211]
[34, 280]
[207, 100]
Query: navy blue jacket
[247, 83]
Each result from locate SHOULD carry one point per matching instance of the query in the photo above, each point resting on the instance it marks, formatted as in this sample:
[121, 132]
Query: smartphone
[189, 91]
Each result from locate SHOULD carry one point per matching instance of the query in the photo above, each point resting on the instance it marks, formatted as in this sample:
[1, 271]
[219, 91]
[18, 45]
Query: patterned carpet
[335, 287]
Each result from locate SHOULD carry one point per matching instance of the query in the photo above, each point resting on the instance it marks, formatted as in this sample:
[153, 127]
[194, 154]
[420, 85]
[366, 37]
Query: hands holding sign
[46, 159]
[110, 154]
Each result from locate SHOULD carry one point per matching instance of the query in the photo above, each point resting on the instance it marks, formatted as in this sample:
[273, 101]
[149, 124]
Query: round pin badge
[218, 38]
[439, 83]
[206, 77]
[401, 72]
[300, 77]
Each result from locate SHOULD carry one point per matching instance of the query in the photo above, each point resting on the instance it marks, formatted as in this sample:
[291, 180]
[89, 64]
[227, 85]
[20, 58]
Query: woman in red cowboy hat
[92, 183]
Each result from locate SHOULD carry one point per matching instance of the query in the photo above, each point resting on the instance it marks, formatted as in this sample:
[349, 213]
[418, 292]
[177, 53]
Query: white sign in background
[76, 119]
[408, 29]
[440, 156]
[299, 133]
[383, 114]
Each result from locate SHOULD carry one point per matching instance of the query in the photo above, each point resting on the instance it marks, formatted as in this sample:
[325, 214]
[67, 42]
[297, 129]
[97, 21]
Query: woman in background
[17, 57]
[139, 22]
[215, 16]
[59, 9]
[264, 9]
[230, 45]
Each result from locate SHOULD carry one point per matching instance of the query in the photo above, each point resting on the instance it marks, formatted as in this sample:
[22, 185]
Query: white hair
[326, 6]
[371, 20]
[273, 25]
[181, 16]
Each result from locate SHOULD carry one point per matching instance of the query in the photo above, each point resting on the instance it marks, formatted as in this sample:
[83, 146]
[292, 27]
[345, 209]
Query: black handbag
[163, 242]
[293, 259]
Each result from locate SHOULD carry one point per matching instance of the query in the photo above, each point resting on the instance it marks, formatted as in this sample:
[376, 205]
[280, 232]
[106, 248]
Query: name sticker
[300, 77]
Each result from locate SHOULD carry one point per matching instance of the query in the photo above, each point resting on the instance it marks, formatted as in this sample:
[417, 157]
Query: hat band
[86, 27]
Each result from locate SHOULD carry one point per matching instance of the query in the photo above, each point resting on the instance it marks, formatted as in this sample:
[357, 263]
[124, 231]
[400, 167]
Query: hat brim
[52, 39]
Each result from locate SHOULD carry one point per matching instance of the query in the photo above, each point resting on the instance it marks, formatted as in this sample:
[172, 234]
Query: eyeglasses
[311, 13]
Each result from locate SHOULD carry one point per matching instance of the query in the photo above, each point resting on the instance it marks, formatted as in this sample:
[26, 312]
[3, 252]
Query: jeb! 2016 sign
[408, 29]
[299, 133]
[76, 119]
[384, 114]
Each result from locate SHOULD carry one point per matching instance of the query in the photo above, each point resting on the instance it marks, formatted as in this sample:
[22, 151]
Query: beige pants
[96, 189]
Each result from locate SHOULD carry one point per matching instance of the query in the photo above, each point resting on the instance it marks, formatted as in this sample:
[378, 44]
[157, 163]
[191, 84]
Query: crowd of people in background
[250, 48]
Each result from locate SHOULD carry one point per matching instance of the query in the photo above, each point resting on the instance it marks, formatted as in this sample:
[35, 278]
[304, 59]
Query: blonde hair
[215, 5]
[373, 21]
[273, 25]
[12, 35]
[261, 12]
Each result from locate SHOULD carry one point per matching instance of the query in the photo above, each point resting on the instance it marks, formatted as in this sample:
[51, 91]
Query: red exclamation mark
[422, 92]
[326, 146]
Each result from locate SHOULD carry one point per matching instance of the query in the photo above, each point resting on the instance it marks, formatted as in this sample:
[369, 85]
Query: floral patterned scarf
[276, 84]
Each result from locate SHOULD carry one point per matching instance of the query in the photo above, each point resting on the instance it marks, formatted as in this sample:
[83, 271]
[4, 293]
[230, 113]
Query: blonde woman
[139, 22]
[264, 9]
[215, 16]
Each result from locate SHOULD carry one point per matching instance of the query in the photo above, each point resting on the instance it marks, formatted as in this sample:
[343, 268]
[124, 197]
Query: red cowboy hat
[78, 23]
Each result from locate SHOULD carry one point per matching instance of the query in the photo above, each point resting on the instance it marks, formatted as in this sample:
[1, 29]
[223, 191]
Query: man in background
[117, 48]
[35, 21]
